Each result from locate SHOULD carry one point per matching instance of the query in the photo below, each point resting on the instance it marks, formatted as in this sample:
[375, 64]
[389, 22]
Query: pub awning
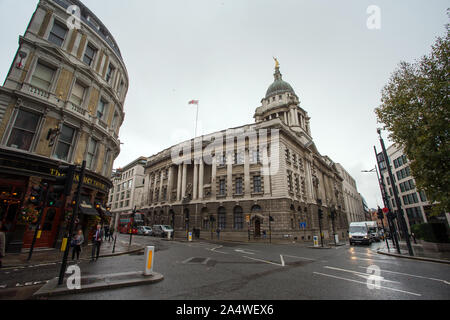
[87, 208]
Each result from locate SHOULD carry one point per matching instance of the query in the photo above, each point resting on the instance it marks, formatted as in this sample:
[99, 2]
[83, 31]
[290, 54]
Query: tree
[415, 109]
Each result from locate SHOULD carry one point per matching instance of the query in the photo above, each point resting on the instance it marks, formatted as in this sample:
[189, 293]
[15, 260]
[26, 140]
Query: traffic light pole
[38, 226]
[384, 195]
[72, 222]
[397, 199]
[132, 225]
[319, 203]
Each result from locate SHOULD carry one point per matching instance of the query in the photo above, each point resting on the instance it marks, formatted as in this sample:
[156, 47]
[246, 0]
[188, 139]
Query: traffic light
[64, 182]
[333, 214]
[53, 199]
[380, 214]
[320, 214]
[36, 195]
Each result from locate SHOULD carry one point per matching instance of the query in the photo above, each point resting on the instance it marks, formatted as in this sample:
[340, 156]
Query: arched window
[238, 218]
[221, 218]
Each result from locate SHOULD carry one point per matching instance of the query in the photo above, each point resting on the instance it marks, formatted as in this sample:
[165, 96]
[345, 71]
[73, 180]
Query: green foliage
[415, 110]
[431, 232]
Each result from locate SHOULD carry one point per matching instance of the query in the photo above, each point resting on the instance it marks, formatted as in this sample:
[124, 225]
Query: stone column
[161, 185]
[184, 182]
[247, 190]
[213, 178]
[309, 183]
[200, 179]
[195, 181]
[154, 186]
[229, 192]
[170, 184]
[180, 169]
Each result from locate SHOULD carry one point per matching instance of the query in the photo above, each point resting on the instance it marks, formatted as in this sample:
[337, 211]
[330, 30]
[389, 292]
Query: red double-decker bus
[127, 222]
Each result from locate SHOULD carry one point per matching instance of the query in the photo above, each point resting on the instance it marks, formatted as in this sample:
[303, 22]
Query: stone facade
[248, 181]
[59, 106]
[353, 202]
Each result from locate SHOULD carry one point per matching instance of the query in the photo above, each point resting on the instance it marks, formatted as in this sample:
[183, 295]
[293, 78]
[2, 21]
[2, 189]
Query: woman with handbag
[76, 243]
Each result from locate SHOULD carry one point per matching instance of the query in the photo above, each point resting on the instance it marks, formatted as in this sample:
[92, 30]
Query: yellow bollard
[39, 234]
[149, 261]
[64, 244]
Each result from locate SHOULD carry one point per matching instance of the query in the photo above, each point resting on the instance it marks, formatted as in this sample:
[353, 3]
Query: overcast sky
[220, 52]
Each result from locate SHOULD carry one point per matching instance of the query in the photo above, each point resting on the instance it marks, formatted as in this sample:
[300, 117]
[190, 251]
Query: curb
[51, 289]
[414, 258]
[6, 267]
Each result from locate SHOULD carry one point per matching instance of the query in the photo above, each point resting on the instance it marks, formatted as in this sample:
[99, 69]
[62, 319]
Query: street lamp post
[397, 199]
[386, 204]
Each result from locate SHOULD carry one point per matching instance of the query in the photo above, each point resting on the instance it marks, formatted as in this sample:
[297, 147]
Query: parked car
[160, 230]
[145, 230]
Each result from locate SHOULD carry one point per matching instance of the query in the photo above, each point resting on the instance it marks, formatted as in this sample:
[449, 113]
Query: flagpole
[196, 121]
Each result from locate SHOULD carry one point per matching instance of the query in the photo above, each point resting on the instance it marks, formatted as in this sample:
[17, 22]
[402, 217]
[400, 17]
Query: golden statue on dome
[277, 64]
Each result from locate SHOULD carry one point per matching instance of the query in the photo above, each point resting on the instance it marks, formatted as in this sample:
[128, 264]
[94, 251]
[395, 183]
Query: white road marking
[360, 274]
[365, 283]
[277, 264]
[243, 251]
[373, 260]
[416, 276]
[286, 255]
[215, 250]
[282, 260]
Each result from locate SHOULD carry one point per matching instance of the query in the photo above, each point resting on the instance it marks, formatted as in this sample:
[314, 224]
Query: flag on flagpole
[193, 102]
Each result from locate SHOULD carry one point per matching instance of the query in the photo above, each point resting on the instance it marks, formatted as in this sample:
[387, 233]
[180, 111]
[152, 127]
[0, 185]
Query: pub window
[78, 93]
[89, 54]
[65, 142]
[43, 76]
[91, 154]
[57, 34]
[23, 130]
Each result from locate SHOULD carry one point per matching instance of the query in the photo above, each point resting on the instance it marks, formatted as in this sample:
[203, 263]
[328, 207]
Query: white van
[359, 233]
[373, 230]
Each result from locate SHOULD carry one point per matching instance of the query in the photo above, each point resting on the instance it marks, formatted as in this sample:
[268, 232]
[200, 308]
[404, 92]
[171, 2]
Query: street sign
[190, 236]
[385, 210]
[316, 241]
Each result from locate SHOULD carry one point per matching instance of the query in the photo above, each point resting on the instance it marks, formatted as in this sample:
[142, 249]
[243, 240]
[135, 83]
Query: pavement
[46, 256]
[420, 253]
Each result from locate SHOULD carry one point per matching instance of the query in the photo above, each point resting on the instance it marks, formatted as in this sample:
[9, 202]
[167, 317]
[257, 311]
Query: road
[204, 270]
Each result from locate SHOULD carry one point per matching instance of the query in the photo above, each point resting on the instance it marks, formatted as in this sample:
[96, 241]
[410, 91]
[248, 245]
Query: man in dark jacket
[97, 242]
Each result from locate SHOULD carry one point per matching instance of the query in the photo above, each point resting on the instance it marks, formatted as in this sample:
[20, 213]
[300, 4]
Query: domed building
[260, 180]
[62, 103]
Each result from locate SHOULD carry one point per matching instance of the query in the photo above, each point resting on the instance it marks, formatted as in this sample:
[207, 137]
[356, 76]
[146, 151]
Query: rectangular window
[127, 203]
[128, 194]
[110, 72]
[91, 154]
[395, 163]
[64, 145]
[257, 184]
[115, 121]
[415, 198]
[106, 163]
[405, 200]
[43, 76]
[23, 130]
[78, 92]
[89, 54]
[57, 34]
[255, 157]
[239, 157]
[402, 187]
[101, 108]
[423, 197]
[222, 187]
[222, 159]
[239, 186]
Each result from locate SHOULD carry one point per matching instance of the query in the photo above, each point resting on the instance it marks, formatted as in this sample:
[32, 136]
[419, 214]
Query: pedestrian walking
[2, 243]
[106, 228]
[264, 234]
[77, 241]
[96, 243]
[218, 233]
[111, 234]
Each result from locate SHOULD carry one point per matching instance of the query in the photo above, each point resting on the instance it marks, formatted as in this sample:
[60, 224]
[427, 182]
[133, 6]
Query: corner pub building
[232, 190]
[61, 103]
